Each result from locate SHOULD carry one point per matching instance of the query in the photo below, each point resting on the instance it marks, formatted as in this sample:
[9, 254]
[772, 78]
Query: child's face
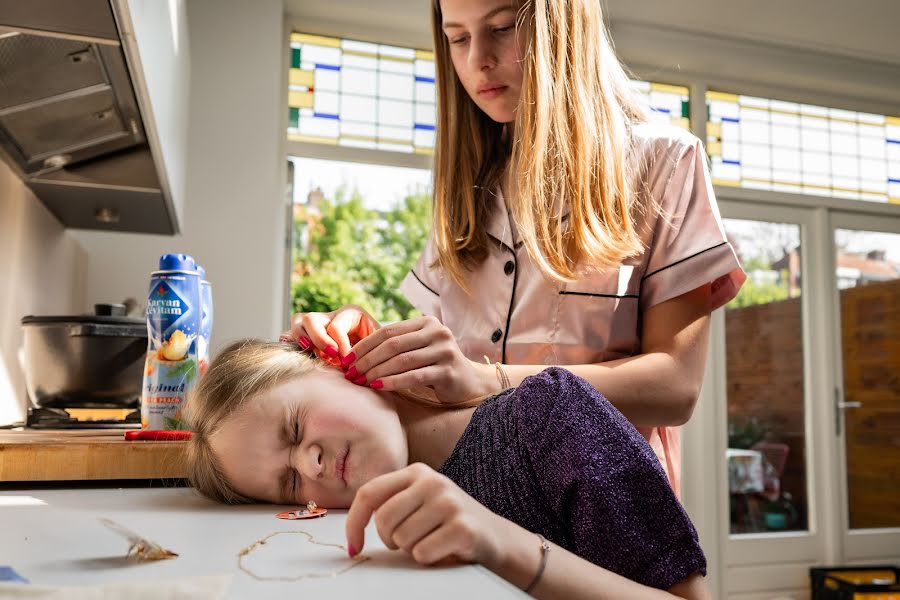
[486, 52]
[317, 437]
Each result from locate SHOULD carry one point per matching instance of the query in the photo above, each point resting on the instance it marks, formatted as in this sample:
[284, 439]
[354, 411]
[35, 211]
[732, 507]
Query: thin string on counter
[358, 559]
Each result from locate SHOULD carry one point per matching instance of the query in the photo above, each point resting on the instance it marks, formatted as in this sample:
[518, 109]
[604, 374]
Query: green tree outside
[753, 293]
[345, 253]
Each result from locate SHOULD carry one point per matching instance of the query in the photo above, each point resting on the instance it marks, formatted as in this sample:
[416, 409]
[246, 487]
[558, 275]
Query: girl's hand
[331, 335]
[418, 352]
[424, 513]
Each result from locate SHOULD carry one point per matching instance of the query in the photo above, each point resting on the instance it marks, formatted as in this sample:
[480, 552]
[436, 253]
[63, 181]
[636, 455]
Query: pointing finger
[369, 498]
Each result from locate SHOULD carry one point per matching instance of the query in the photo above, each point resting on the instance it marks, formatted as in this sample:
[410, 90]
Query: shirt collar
[500, 223]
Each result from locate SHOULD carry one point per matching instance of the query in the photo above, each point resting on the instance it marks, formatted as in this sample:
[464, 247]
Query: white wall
[42, 271]
[234, 210]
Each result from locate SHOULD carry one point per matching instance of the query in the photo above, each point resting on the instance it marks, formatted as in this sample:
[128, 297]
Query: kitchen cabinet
[54, 537]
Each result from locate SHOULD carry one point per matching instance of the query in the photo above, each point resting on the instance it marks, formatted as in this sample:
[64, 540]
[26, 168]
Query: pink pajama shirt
[517, 316]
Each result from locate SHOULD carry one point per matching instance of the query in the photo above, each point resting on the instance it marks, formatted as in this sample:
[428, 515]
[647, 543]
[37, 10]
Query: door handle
[840, 405]
[849, 404]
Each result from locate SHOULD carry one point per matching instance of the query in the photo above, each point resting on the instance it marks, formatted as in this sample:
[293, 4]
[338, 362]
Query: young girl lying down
[551, 457]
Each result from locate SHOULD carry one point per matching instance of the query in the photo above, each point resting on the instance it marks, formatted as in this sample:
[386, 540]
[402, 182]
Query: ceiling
[865, 30]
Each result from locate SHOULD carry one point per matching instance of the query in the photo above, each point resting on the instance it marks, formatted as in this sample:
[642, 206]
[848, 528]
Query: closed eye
[295, 477]
[292, 436]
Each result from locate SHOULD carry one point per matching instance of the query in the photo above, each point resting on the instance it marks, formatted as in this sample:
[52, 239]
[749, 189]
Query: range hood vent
[63, 101]
[71, 125]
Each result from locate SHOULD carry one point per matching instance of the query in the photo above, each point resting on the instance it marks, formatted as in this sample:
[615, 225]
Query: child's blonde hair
[571, 145]
[240, 372]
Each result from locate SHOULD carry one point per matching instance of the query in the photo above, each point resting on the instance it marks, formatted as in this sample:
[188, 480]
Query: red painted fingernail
[304, 342]
[361, 380]
[351, 374]
[351, 550]
[331, 351]
[348, 360]
[377, 384]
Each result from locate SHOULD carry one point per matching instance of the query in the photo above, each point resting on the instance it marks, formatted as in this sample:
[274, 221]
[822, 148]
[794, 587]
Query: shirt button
[509, 267]
[497, 335]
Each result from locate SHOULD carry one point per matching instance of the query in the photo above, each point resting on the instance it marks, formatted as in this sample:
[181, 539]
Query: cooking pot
[85, 361]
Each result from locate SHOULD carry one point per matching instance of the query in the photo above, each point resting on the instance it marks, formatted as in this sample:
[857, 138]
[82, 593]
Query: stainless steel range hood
[63, 101]
[70, 120]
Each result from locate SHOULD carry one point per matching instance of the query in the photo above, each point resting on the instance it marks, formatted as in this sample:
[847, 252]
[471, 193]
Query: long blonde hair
[239, 373]
[571, 144]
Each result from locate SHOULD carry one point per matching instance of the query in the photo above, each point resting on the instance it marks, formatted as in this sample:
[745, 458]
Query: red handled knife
[157, 435]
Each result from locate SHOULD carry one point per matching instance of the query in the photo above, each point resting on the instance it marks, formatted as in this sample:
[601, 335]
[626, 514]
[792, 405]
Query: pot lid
[105, 314]
[104, 320]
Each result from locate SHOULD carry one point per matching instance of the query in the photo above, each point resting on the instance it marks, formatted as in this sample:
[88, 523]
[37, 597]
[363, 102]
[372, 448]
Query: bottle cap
[176, 262]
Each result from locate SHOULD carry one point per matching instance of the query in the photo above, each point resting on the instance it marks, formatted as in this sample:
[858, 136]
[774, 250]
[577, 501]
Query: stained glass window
[801, 148]
[350, 93]
[668, 103]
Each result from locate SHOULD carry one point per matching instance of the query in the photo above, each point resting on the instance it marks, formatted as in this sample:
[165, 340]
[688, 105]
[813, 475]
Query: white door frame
[781, 560]
[868, 544]
[751, 566]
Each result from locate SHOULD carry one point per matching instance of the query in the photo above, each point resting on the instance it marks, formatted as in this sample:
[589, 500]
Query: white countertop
[54, 537]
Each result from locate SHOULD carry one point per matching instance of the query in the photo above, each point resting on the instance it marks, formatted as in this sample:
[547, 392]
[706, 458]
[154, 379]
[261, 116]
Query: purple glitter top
[555, 457]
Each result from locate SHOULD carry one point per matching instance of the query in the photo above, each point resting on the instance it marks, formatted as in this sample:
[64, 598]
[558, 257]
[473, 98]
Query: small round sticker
[312, 511]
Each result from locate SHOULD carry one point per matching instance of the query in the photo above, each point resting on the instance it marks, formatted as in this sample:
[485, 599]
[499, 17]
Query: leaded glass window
[351, 93]
[668, 103]
[769, 144]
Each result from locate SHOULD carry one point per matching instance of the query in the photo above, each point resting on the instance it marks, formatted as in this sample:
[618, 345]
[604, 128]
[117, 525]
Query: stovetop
[59, 418]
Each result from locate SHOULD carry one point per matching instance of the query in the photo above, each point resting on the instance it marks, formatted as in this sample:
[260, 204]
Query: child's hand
[424, 513]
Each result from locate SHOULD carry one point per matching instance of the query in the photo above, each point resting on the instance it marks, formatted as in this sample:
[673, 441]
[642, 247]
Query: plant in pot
[780, 513]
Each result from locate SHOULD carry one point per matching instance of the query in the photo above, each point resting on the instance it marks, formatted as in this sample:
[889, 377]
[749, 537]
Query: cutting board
[80, 455]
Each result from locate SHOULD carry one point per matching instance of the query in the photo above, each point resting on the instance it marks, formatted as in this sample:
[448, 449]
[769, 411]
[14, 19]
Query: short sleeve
[422, 285]
[603, 480]
[689, 247]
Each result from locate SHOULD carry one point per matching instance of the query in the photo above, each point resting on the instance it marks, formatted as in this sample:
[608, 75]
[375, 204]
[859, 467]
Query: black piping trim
[512, 299]
[423, 283]
[563, 293]
[501, 242]
[682, 260]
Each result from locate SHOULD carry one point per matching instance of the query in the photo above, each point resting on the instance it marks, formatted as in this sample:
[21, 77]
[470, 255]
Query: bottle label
[171, 365]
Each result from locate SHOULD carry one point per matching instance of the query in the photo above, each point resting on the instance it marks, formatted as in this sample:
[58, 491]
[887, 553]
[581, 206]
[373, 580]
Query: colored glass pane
[361, 94]
[667, 103]
[370, 95]
[770, 144]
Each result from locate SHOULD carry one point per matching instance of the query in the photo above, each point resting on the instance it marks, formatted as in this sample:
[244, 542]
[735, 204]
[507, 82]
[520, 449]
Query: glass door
[866, 254]
[771, 332]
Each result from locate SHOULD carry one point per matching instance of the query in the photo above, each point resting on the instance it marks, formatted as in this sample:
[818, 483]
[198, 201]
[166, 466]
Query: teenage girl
[568, 229]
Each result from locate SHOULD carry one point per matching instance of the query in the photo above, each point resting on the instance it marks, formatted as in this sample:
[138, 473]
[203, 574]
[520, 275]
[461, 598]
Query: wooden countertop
[86, 454]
